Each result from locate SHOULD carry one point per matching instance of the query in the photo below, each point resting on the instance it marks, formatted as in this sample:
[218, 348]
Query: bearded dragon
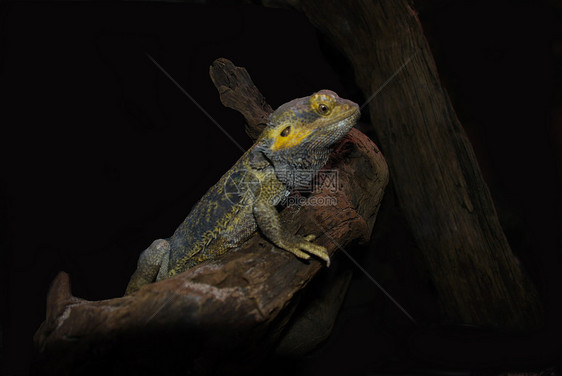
[294, 145]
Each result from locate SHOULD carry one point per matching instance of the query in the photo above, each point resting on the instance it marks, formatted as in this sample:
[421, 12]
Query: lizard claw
[300, 254]
[304, 244]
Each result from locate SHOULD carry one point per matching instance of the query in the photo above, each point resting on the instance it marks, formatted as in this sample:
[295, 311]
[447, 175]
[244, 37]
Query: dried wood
[222, 315]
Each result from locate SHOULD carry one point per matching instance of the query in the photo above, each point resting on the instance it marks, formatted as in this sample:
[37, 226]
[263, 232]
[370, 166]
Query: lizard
[295, 143]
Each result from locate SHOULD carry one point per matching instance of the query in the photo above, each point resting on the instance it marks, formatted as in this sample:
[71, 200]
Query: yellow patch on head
[294, 138]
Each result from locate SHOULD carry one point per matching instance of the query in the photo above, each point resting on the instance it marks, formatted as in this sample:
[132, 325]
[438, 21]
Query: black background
[101, 153]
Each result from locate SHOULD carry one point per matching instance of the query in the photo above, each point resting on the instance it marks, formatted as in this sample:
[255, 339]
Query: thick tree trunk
[436, 176]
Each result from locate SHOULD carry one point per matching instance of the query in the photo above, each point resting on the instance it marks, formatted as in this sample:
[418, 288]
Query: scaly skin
[296, 142]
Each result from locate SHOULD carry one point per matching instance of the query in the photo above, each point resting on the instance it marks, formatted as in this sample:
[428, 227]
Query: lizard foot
[300, 244]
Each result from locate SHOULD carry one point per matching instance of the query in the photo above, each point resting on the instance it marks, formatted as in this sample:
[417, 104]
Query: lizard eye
[285, 132]
[323, 109]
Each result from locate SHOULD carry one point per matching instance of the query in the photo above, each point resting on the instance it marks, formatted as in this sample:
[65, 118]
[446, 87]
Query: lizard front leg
[152, 265]
[267, 219]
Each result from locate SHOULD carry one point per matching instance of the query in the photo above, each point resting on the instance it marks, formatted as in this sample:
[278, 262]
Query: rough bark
[222, 315]
[235, 86]
[438, 184]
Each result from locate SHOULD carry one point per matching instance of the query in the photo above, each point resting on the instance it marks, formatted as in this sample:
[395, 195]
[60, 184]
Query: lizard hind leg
[152, 265]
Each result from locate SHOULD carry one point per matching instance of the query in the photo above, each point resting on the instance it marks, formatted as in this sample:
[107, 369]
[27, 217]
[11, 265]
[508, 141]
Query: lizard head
[313, 122]
[300, 133]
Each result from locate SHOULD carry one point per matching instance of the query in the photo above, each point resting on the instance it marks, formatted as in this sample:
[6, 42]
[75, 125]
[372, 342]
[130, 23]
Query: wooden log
[221, 315]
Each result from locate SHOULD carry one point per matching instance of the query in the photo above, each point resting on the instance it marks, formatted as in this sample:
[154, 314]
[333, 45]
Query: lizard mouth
[341, 125]
[347, 118]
